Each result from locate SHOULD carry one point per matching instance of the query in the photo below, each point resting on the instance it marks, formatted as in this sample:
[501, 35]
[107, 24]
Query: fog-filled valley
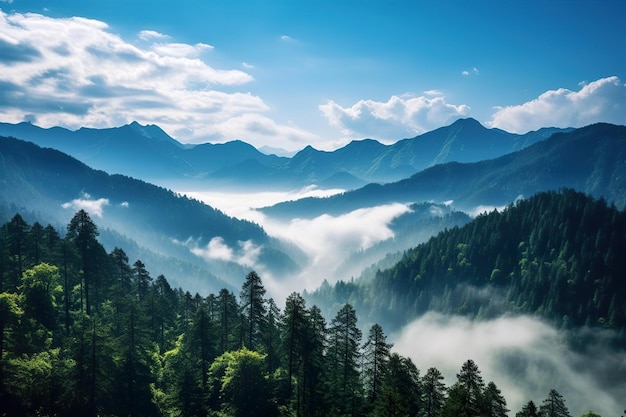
[312, 208]
[527, 283]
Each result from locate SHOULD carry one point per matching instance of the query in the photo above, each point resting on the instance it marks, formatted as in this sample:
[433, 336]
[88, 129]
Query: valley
[365, 247]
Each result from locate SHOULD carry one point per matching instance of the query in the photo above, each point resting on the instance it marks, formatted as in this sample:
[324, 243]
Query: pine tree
[434, 392]
[494, 404]
[554, 406]
[344, 355]
[528, 410]
[400, 393]
[376, 357]
[254, 309]
[82, 231]
[228, 313]
[295, 327]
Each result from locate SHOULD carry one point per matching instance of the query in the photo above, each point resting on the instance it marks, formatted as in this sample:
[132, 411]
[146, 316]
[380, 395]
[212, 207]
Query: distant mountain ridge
[147, 152]
[44, 180]
[591, 159]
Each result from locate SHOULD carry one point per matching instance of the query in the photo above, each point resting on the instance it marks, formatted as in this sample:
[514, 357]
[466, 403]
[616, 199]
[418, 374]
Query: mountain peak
[152, 132]
[468, 122]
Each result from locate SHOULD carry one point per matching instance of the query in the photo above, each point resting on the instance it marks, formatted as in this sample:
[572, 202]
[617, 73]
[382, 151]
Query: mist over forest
[528, 289]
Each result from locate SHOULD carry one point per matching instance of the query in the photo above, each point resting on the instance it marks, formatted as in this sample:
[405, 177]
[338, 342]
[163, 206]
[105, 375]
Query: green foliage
[590, 414]
[244, 384]
[554, 254]
[143, 348]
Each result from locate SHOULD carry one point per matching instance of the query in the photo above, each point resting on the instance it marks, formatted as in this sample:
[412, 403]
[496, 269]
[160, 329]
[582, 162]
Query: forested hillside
[85, 332]
[52, 184]
[557, 255]
[590, 159]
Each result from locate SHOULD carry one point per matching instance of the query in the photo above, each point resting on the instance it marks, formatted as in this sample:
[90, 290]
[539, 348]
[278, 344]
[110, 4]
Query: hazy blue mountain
[42, 180]
[147, 152]
[269, 150]
[590, 159]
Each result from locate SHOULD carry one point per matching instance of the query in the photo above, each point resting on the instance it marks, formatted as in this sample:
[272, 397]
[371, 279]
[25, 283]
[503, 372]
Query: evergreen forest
[556, 255]
[90, 333]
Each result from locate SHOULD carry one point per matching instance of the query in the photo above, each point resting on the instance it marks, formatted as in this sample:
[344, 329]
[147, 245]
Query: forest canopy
[86, 332]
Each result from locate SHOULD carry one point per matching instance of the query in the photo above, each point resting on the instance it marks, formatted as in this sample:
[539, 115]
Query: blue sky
[291, 73]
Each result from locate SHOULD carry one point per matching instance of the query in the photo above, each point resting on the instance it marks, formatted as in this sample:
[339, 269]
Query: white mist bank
[523, 356]
[326, 240]
[242, 205]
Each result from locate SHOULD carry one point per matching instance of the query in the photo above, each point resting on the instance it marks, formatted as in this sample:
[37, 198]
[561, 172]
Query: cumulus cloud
[262, 129]
[91, 206]
[524, 356]
[603, 100]
[147, 35]
[246, 253]
[396, 118]
[76, 72]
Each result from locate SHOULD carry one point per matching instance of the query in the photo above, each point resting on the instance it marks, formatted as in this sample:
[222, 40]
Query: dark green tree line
[85, 332]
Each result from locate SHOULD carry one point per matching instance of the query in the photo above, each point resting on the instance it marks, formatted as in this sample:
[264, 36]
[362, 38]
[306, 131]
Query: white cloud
[215, 249]
[76, 72]
[396, 118]
[603, 100]
[524, 356]
[246, 253]
[328, 240]
[257, 128]
[473, 71]
[242, 205]
[93, 207]
[147, 35]
[180, 50]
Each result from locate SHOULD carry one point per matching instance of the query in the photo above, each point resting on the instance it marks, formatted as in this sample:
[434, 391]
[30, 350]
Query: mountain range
[44, 180]
[147, 152]
[53, 185]
[591, 159]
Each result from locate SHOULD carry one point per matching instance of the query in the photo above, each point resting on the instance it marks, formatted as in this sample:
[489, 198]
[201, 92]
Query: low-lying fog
[327, 240]
[524, 356]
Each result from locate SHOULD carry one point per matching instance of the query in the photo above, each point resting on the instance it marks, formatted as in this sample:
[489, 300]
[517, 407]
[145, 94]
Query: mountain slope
[48, 181]
[145, 152]
[555, 255]
[590, 159]
[149, 153]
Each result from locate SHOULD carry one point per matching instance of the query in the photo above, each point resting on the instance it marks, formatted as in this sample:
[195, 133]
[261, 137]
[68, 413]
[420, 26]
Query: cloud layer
[524, 356]
[76, 72]
[398, 117]
[603, 100]
[91, 206]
